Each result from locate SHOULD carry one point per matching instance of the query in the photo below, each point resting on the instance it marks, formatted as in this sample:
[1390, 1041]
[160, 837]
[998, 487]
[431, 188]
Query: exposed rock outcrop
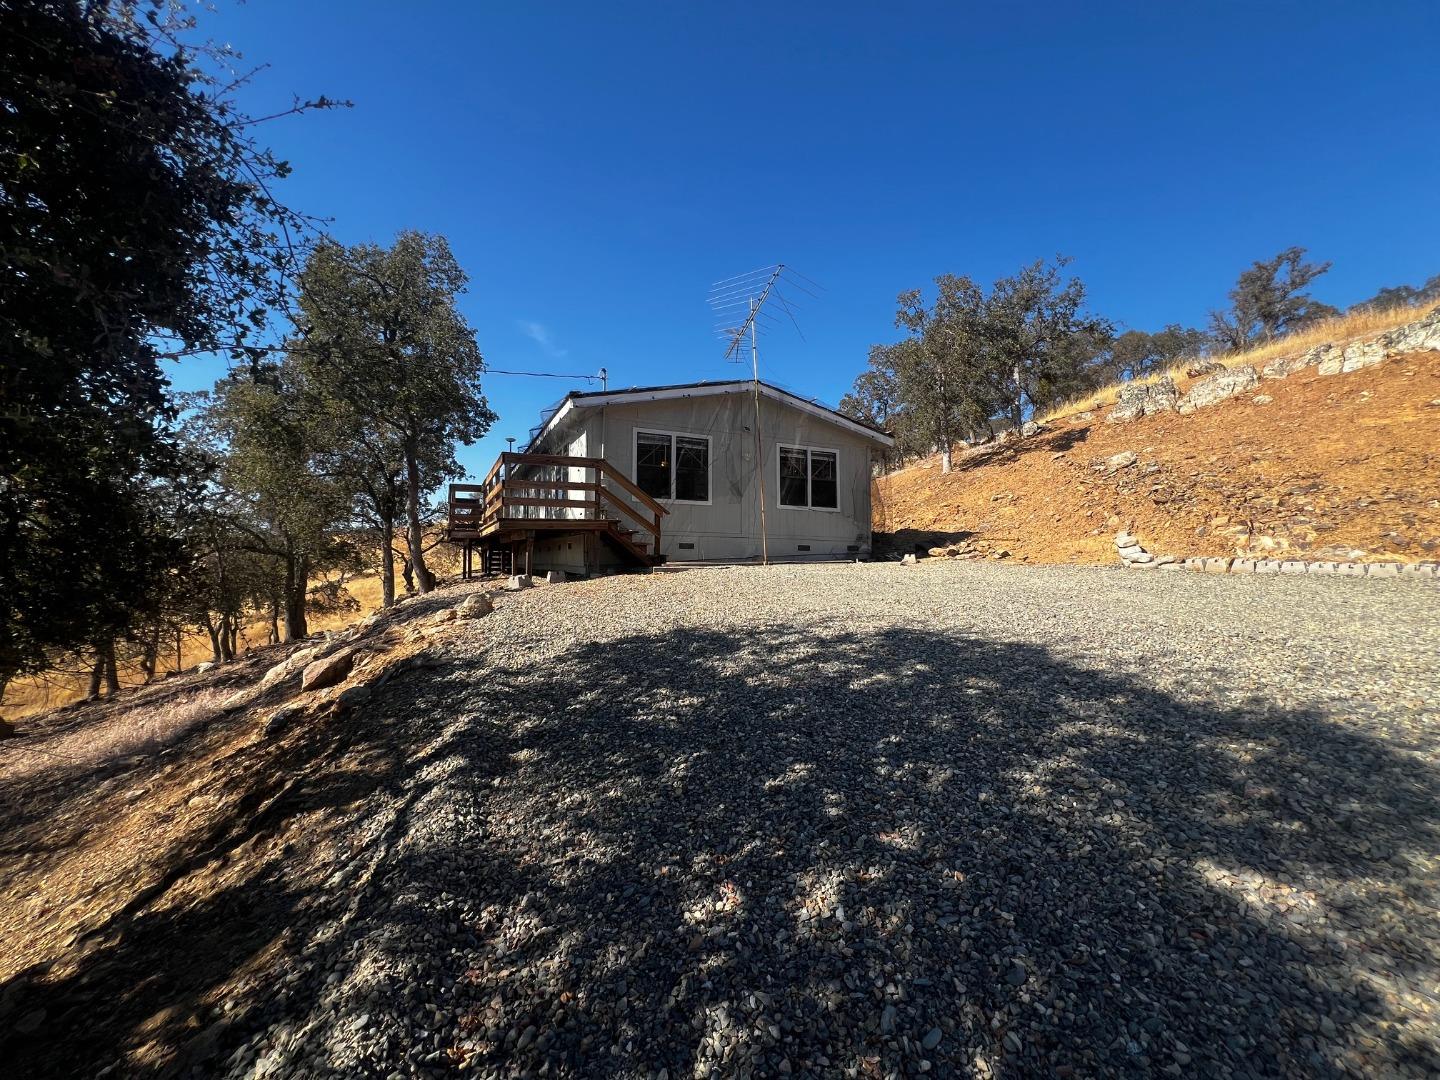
[1144, 399]
[1218, 387]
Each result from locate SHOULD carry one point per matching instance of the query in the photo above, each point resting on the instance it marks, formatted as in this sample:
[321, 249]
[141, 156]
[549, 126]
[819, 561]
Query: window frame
[780, 448]
[635, 434]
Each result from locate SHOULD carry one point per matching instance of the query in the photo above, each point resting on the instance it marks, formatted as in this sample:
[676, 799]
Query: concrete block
[1217, 565]
[1292, 566]
[1194, 564]
[518, 582]
[1350, 569]
[1382, 569]
[1420, 570]
[1267, 566]
[557, 577]
[1242, 566]
[1320, 568]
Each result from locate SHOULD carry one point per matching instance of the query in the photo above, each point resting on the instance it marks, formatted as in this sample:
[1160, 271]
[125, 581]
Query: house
[675, 474]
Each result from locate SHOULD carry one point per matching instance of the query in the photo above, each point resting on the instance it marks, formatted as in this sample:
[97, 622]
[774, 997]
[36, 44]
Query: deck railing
[521, 488]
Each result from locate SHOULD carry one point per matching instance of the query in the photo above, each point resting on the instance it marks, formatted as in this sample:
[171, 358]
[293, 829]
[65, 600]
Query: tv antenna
[739, 306]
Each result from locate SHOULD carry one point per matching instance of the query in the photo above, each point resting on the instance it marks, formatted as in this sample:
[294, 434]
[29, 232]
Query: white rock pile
[1133, 555]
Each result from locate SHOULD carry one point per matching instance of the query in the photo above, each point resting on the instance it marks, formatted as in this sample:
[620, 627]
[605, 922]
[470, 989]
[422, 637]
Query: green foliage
[1393, 296]
[378, 334]
[134, 209]
[1269, 300]
[969, 357]
[1136, 353]
[273, 492]
[1037, 329]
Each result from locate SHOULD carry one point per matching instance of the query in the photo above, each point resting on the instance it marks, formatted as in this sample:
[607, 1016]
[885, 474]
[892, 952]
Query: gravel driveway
[873, 820]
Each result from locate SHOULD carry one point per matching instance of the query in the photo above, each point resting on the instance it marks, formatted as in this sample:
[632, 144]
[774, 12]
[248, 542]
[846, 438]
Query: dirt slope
[1334, 467]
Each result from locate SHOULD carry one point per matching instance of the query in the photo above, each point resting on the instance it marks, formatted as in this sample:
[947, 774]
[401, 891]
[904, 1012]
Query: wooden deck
[529, 497]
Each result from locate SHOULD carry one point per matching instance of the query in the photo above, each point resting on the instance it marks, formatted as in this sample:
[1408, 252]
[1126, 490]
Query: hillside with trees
[143, 224]
[972, 364]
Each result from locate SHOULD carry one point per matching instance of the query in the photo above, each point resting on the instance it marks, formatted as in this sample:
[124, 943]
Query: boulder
[1030, 427]
[1262, 399]
[1218, 387]
[1200, 368]
[1144, 399]
[296, 661]
[474, 606]
[1116, 462]
[1361, 354]
[1415, 337]
[327, 671]
[208, 665]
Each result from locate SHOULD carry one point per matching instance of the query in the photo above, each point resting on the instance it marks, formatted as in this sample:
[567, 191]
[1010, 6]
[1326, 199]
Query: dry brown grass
[26, 697]
[144, 728]
[1342, 328]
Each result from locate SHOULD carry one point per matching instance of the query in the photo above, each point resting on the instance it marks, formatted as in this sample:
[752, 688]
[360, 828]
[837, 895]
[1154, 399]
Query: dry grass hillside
[1351, 326]
[26, 697]
[1332, 467]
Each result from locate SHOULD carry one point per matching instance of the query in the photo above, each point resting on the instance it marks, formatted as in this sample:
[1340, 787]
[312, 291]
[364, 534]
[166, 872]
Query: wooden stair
[530, 497]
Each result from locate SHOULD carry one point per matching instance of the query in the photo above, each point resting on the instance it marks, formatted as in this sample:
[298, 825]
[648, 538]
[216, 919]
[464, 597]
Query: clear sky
[597, 166]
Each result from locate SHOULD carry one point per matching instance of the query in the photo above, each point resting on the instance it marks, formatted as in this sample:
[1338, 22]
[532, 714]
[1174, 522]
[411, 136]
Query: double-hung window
[673, 467]
[808, 479]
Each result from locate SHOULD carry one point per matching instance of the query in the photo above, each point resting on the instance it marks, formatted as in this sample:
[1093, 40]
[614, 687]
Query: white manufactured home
[725, 471]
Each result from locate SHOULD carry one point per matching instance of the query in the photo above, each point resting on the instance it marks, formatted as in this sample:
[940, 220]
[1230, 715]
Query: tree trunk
[387, 565]
[1017, 411]
[415, 535]
[210, 629]
[150, 655]
[297, 580]
[945, 457]
[274, 638]
[112, 677]
[97, 672]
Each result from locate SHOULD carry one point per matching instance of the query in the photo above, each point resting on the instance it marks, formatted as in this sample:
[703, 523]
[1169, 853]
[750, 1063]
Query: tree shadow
[1051, 866]
[814, 851]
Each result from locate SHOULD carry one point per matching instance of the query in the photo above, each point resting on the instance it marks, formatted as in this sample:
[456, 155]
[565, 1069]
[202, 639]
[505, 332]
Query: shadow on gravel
[808, 852]
[762, 843]
[153, 974]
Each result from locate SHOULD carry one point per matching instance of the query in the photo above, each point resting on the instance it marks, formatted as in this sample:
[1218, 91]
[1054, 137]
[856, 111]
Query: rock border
[1133, 555]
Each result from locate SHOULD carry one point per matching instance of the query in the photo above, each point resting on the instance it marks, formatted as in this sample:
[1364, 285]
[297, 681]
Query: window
[673, 467]
[809, 479]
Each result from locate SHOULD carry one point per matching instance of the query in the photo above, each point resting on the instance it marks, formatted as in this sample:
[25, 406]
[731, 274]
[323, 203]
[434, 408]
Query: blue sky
[596, 167]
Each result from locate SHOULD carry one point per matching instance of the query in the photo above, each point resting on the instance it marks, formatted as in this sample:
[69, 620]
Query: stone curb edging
[1219, 565]
[1134, 556]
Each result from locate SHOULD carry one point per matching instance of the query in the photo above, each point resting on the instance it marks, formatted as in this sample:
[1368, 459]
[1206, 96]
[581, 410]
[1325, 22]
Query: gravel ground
[873, 820]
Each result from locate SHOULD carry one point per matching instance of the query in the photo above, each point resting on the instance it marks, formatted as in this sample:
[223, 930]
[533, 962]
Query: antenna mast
[746, 295]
